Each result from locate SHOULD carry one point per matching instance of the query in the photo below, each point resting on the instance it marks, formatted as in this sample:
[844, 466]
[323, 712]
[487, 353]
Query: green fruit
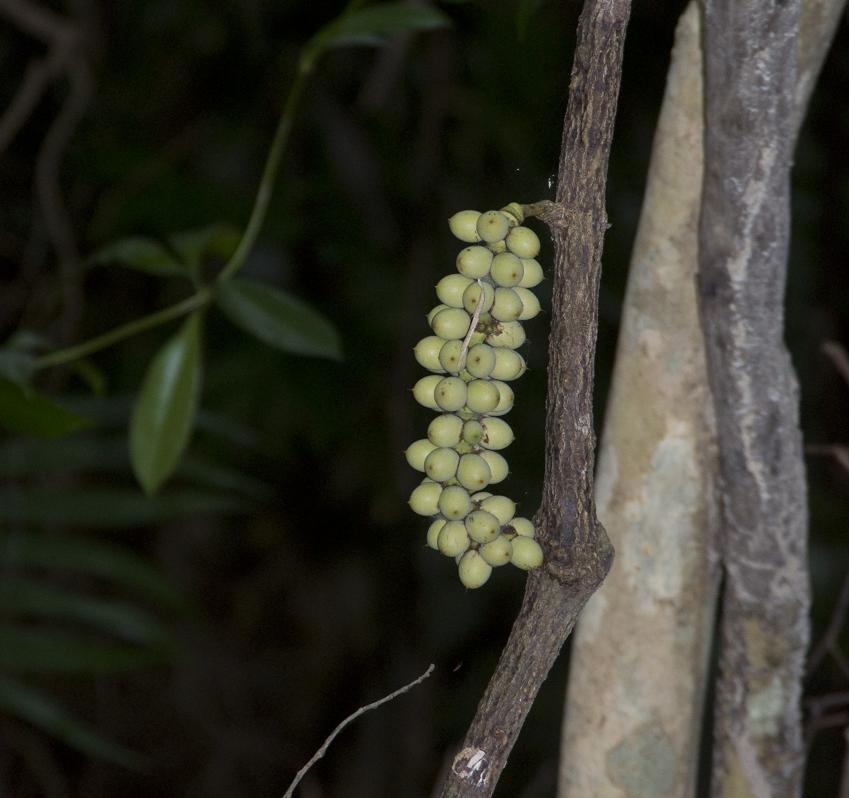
[424, 500]
[473, 570]
[482, 396]
[514, 213]
[473, 472]
[453, 539]
[454, 503]
[530, 303]
[449, 356]
[472, 431]
[478, 497]
[505, 402]
[480, 361]
[497, 552]
[450, 289]
[464, 226]
[427, 352]
[450, 394]
[506, 307]
[496, 433]
[492, 226]
[417, 452]
[463, 448]
[474, 262]
[533, 273]
[506, 270]
[523, 241]
[498, 467]
[509, 365]
[522, 526]
[424, 391]
[526, 553]
[452, 323]
[444, 430]
[433, 533]
[482, 526]
[510, 334]
[441, 464]
[478, 292]
[500, 506]
[433, 311]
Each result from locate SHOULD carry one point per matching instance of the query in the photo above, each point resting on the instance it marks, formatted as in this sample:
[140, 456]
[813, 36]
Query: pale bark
[640, 652]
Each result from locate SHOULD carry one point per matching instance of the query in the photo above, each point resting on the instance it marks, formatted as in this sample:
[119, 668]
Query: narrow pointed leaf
[141, 254]
[164, 412]
[27, 412]
[42, 711]
[278, 318]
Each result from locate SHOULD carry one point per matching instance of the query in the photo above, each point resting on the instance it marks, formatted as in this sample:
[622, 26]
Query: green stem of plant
[269, 173]
[71, 353]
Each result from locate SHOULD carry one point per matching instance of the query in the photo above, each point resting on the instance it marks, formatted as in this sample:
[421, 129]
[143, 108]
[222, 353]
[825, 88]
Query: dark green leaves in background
[27, 412]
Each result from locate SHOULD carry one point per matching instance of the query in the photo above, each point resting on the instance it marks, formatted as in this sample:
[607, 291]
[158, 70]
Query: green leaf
[37, 598]
[26, 412]
[91, 375]
[40, 649]
[372, 25]
[39, 709]
[164, 412]
[277, 318]
[215, 240]
[88, 556]
[141, 254]
[105, 508]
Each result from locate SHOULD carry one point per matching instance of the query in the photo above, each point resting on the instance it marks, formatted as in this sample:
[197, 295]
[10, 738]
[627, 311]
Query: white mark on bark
[472, 765]
[765, 708]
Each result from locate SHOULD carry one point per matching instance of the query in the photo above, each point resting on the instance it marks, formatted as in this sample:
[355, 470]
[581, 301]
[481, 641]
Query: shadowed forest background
[304, 588]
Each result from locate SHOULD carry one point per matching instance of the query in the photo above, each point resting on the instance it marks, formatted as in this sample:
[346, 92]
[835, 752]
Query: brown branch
[577, 551]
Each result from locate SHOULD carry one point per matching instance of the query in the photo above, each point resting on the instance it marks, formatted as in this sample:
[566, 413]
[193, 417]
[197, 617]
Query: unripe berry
[526, 553]
[424, 500]
[492, 226]
[444, 430]
[500, 506]
[464, 226]
[497, 552]
[533, 273]
[509, 365]
[417, 452]
[472, 431]
[450, 393]
[473, 570]
[482, 396]
[433, 532]
[433, 311]
[514, 213]
[505, 402]
[530, 303]
[523, 241]
[478, 292]
[482, 526]
[478, 497]
[506, 307]
[506, 270]
[497, 247]
[473, 472]
[452, 323]
[454, 503]
[498, 467]
[510, 334]
[474, 262]
[453, 539]
[450, 289]
[480, 361]
[449, 356]
[522, 526]
[497, 433]
[441, 464]
[424, 391]
[427, 352]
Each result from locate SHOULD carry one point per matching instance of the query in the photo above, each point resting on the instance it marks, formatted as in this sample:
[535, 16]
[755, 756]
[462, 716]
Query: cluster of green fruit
[477, 329]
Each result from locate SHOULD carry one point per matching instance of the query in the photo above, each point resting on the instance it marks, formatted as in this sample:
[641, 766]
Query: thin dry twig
[350, 719]
[829, 642]
[839, 357]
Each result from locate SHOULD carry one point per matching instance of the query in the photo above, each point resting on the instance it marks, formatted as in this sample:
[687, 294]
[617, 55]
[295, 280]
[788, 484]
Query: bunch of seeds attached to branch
[477, 329]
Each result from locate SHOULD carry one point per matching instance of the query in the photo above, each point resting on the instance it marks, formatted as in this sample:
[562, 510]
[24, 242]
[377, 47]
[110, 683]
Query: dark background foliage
[307, 585]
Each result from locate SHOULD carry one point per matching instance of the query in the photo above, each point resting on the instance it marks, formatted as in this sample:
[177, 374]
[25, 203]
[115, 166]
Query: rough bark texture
[640, 653]
[751, 103]
[577, 551]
